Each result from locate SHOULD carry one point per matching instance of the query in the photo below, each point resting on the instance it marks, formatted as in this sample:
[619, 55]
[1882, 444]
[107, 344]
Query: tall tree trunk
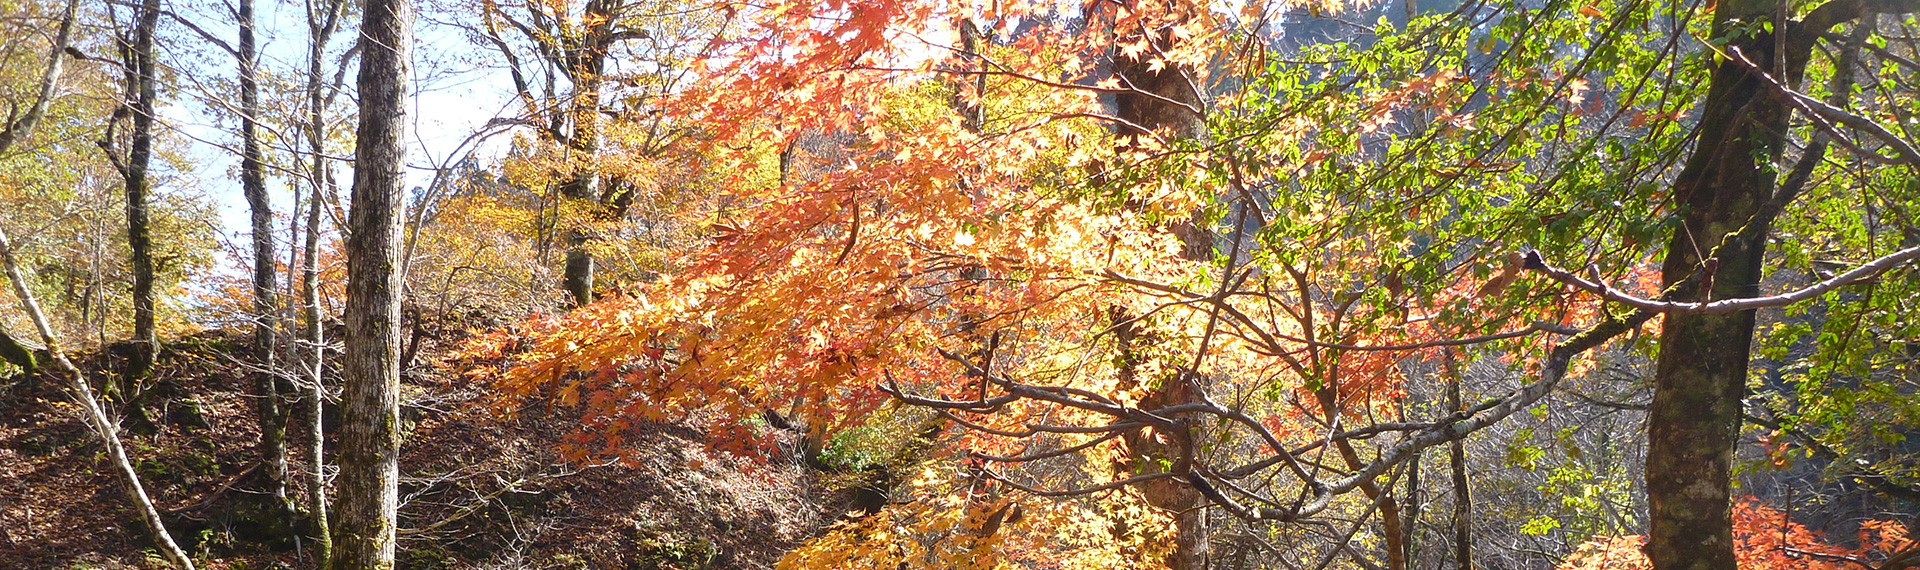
[138, 56]
[1701, 374]
[320, 28]
[313, 363]
[97, 419]
[1727, 199]
[313, 368]
[364, 530]
[268, 402]
[1165, 103]
[585, 63]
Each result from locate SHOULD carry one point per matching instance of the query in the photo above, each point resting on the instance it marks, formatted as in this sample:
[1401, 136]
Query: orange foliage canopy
[918, 232]
[1764, 539]
[810, 290]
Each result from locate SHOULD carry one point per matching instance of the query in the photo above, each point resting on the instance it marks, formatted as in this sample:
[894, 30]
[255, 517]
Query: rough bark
[97, 420]
[268, 399]
[138, 58]
[364, 525]
[1164, 102]
[1700, 377]
[1149, 450]
[1727, 199]
[583, 186]
[584, 65]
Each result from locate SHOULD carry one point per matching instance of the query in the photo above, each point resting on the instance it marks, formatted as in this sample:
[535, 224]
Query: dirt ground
[480, 488]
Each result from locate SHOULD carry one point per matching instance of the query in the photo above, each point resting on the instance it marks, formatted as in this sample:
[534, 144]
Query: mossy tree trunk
[137, 61]
[269, 401]
[364, 528]
[323, 19]
[585, 63]
[1702, 368]
[1727, 198]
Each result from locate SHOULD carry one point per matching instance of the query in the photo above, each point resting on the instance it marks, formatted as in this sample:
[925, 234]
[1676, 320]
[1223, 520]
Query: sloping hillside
[480, 488]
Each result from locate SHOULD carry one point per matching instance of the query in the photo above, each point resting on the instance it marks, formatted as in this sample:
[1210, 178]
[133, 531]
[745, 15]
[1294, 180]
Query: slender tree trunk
[268, 402]
[1457, 462]
[1409, 524]
[297, 391]
[320, 27]
[18, 129]
[1410, 516]
[1328, 398]
[364, 528]
[97, 419]
[140, 62]
[313, 365]
[1389, 508]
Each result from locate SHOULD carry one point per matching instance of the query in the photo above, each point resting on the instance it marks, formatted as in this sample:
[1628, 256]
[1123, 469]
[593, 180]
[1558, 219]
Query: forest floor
[480, 488]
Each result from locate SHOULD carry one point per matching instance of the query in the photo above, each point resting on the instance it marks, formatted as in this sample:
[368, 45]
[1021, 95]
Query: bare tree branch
[1594, 285]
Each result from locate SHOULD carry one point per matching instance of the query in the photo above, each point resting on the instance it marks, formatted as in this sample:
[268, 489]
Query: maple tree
[1007, 263]
[763, 319]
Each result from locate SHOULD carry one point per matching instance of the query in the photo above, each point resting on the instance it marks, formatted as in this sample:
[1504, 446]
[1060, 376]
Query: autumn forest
[994, 284]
